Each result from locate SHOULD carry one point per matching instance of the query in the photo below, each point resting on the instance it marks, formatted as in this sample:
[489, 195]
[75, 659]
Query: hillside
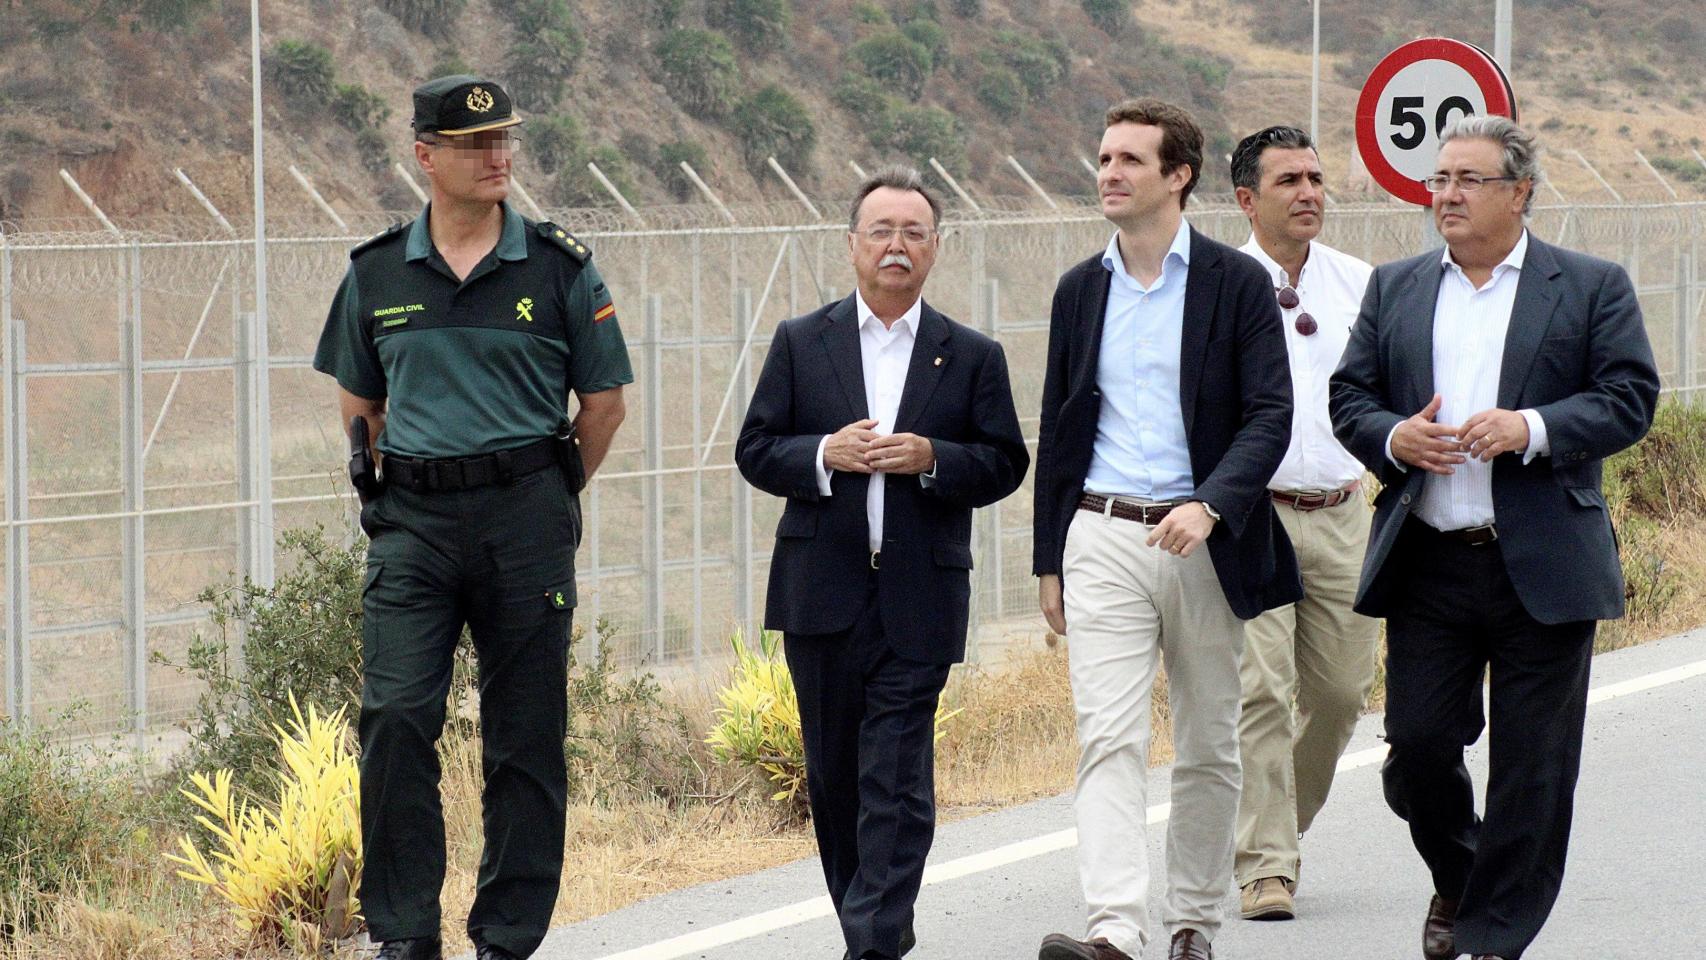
[119, 92]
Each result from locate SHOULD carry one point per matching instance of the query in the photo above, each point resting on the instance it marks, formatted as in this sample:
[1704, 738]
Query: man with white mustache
[1316, 651]
[883, 424]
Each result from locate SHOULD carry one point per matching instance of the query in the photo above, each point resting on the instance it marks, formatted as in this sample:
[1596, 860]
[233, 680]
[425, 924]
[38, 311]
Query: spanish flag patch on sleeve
[604, 313]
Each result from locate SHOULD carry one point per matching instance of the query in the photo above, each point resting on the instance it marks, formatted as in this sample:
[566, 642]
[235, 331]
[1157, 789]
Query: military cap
[459, 105]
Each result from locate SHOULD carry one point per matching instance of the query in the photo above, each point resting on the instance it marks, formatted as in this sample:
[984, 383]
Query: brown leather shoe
[1059, 946]
[1190, 944]
[1438, 942]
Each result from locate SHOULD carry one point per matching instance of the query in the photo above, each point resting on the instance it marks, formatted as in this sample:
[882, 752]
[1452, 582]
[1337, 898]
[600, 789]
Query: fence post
[17, 504]
[989, 526]
[651, 497]
[133, 570]
[745, 608]
[697, 333]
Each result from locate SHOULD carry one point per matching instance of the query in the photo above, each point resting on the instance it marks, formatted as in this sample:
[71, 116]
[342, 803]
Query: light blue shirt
[1141, 450]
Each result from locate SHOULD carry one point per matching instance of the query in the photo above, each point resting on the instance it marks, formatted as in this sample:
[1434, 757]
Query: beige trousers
[1320, 655]
[1128, 608]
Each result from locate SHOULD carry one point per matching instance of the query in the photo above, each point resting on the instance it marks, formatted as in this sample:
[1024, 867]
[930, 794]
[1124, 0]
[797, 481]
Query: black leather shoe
[420, 948]
[1438, 939]
[1190, 944]
[485, 951]
[1059, 946]
[908, 940]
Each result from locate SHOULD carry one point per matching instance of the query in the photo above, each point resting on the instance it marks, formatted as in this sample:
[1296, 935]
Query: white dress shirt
[885, 353]
[1329, 289]
[1141, 450]
[1468, 351]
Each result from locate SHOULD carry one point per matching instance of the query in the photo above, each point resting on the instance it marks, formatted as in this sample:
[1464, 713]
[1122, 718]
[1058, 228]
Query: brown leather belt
[1298, 500]
[1148, 514]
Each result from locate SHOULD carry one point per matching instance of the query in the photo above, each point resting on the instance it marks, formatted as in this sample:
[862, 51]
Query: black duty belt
[467, 473]
[1148, 514]
[1474, 536]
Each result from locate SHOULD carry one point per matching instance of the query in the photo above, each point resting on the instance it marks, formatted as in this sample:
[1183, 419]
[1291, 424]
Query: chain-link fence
[155, 441]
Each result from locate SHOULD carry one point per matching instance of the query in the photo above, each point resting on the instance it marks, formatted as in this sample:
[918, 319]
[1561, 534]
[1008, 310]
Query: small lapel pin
[938, 361]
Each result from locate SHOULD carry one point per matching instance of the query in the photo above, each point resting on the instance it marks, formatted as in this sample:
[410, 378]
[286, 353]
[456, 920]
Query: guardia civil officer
[456, 339]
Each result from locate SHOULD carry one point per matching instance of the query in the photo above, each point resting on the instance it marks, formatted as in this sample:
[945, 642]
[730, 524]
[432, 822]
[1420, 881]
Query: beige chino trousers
[1317, 654]
[1129, 607]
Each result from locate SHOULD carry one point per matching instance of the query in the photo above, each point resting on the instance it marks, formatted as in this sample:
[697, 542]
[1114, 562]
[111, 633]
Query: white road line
[770, 920]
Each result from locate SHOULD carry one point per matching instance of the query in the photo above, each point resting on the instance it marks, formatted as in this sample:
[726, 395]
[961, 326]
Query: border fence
[155, 442]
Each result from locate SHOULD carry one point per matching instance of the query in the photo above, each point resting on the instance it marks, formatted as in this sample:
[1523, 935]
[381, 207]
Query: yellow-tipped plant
[288, 868]
[758, 721]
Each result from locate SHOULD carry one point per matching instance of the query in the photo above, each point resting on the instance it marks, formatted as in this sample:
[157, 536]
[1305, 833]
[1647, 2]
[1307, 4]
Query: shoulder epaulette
[376, 239]
[564, 239]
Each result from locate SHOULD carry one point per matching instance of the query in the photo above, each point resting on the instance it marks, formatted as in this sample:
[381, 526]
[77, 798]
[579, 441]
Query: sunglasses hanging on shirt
[1289, 299]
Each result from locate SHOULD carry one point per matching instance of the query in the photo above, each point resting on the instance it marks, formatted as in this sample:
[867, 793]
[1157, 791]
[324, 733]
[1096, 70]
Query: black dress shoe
[419, 948]
[908, 940]
[485, 951]
[1190, 944]
[1438, 939]
[1059, 946]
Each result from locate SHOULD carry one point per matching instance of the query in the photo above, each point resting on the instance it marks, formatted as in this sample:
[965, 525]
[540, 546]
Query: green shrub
[1209, 72]
[547, 45]
[65, 813]
[1000, 90]
[759, 26]
[302, 70]
[670, 157]
[373, 149]
[892, 58]
[449, 62]
[435, 18]
[969, 9]
[699, 70]
[865, 99]
[1689, 171]
[626, 739]
[577, 186]
[666, 13]
[1108, 15]
[1039, 64]
[357, 107]
[555, 143]
[773, 122]
[920, 133]
[300, 637]
[931, 36]
[866, 11]
[1662, 478]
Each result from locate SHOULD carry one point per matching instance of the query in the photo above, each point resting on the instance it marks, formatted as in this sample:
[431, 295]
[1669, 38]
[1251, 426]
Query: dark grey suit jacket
[1577, 354]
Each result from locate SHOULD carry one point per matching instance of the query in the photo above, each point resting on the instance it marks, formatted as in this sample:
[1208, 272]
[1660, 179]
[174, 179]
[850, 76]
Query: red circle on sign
[1472, 59]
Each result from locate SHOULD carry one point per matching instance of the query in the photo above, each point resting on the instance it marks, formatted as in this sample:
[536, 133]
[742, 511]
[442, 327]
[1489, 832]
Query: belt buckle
[875, 554]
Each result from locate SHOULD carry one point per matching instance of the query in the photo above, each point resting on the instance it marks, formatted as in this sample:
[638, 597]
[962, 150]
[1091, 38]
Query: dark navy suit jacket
[957, 395]
[1234, 392]
[1577, 354]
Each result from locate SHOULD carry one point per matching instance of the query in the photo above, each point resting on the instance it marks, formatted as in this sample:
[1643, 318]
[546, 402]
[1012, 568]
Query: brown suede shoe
[1266, 899]
[1190, 944]
[1059, 946]
[1438, 943]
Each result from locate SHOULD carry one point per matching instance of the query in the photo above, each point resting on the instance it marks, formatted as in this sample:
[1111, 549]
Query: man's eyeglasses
[1467, 182]
[913, 234]
[1288, 299]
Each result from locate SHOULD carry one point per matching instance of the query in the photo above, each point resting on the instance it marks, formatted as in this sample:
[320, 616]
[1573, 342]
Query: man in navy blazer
[1484, 386]
[1166, 409]
[883, 423]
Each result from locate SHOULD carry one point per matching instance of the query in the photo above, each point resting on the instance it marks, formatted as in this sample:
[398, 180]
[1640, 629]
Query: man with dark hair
[1166, 407]
[457, 339]
[1317, 651]
[883, 423]
[1492, 553]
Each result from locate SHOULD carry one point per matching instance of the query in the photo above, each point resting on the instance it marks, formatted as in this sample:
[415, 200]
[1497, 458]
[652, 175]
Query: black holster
[363, 474]
[568, 447]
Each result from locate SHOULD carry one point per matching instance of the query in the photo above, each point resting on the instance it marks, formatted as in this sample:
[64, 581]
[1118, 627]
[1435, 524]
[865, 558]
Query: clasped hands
[1438, 447]
[858, 448]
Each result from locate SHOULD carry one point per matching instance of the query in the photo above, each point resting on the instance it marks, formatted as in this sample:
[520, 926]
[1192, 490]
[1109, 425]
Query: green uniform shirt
[477, 365]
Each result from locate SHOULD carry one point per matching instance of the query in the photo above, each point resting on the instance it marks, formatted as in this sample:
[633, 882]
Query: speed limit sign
[1410, 97]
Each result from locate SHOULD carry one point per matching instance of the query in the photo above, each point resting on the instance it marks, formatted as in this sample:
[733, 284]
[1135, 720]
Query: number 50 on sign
[1410, 97]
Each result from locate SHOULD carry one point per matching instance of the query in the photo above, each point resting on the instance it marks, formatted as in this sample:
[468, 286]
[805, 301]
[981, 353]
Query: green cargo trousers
[501, 560]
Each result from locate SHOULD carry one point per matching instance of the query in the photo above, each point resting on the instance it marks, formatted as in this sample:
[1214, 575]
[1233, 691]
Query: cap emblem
[479, 100]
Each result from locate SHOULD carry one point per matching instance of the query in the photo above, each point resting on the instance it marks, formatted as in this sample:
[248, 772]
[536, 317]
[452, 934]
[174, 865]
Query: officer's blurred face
[471, 169]
[1286, 204]
[895, 243]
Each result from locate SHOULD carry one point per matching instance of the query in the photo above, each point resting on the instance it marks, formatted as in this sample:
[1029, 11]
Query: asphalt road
[998, 883]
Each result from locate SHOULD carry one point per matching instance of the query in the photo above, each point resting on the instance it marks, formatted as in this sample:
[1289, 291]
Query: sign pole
[1502, 33]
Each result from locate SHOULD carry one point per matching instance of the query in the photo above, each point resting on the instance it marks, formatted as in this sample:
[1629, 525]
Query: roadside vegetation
[101, 859]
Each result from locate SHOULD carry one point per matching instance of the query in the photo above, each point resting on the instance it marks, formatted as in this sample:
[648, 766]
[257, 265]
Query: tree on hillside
[758, 26]
[773, 122]
[699, 69]
[544, 53]
[891, 57]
